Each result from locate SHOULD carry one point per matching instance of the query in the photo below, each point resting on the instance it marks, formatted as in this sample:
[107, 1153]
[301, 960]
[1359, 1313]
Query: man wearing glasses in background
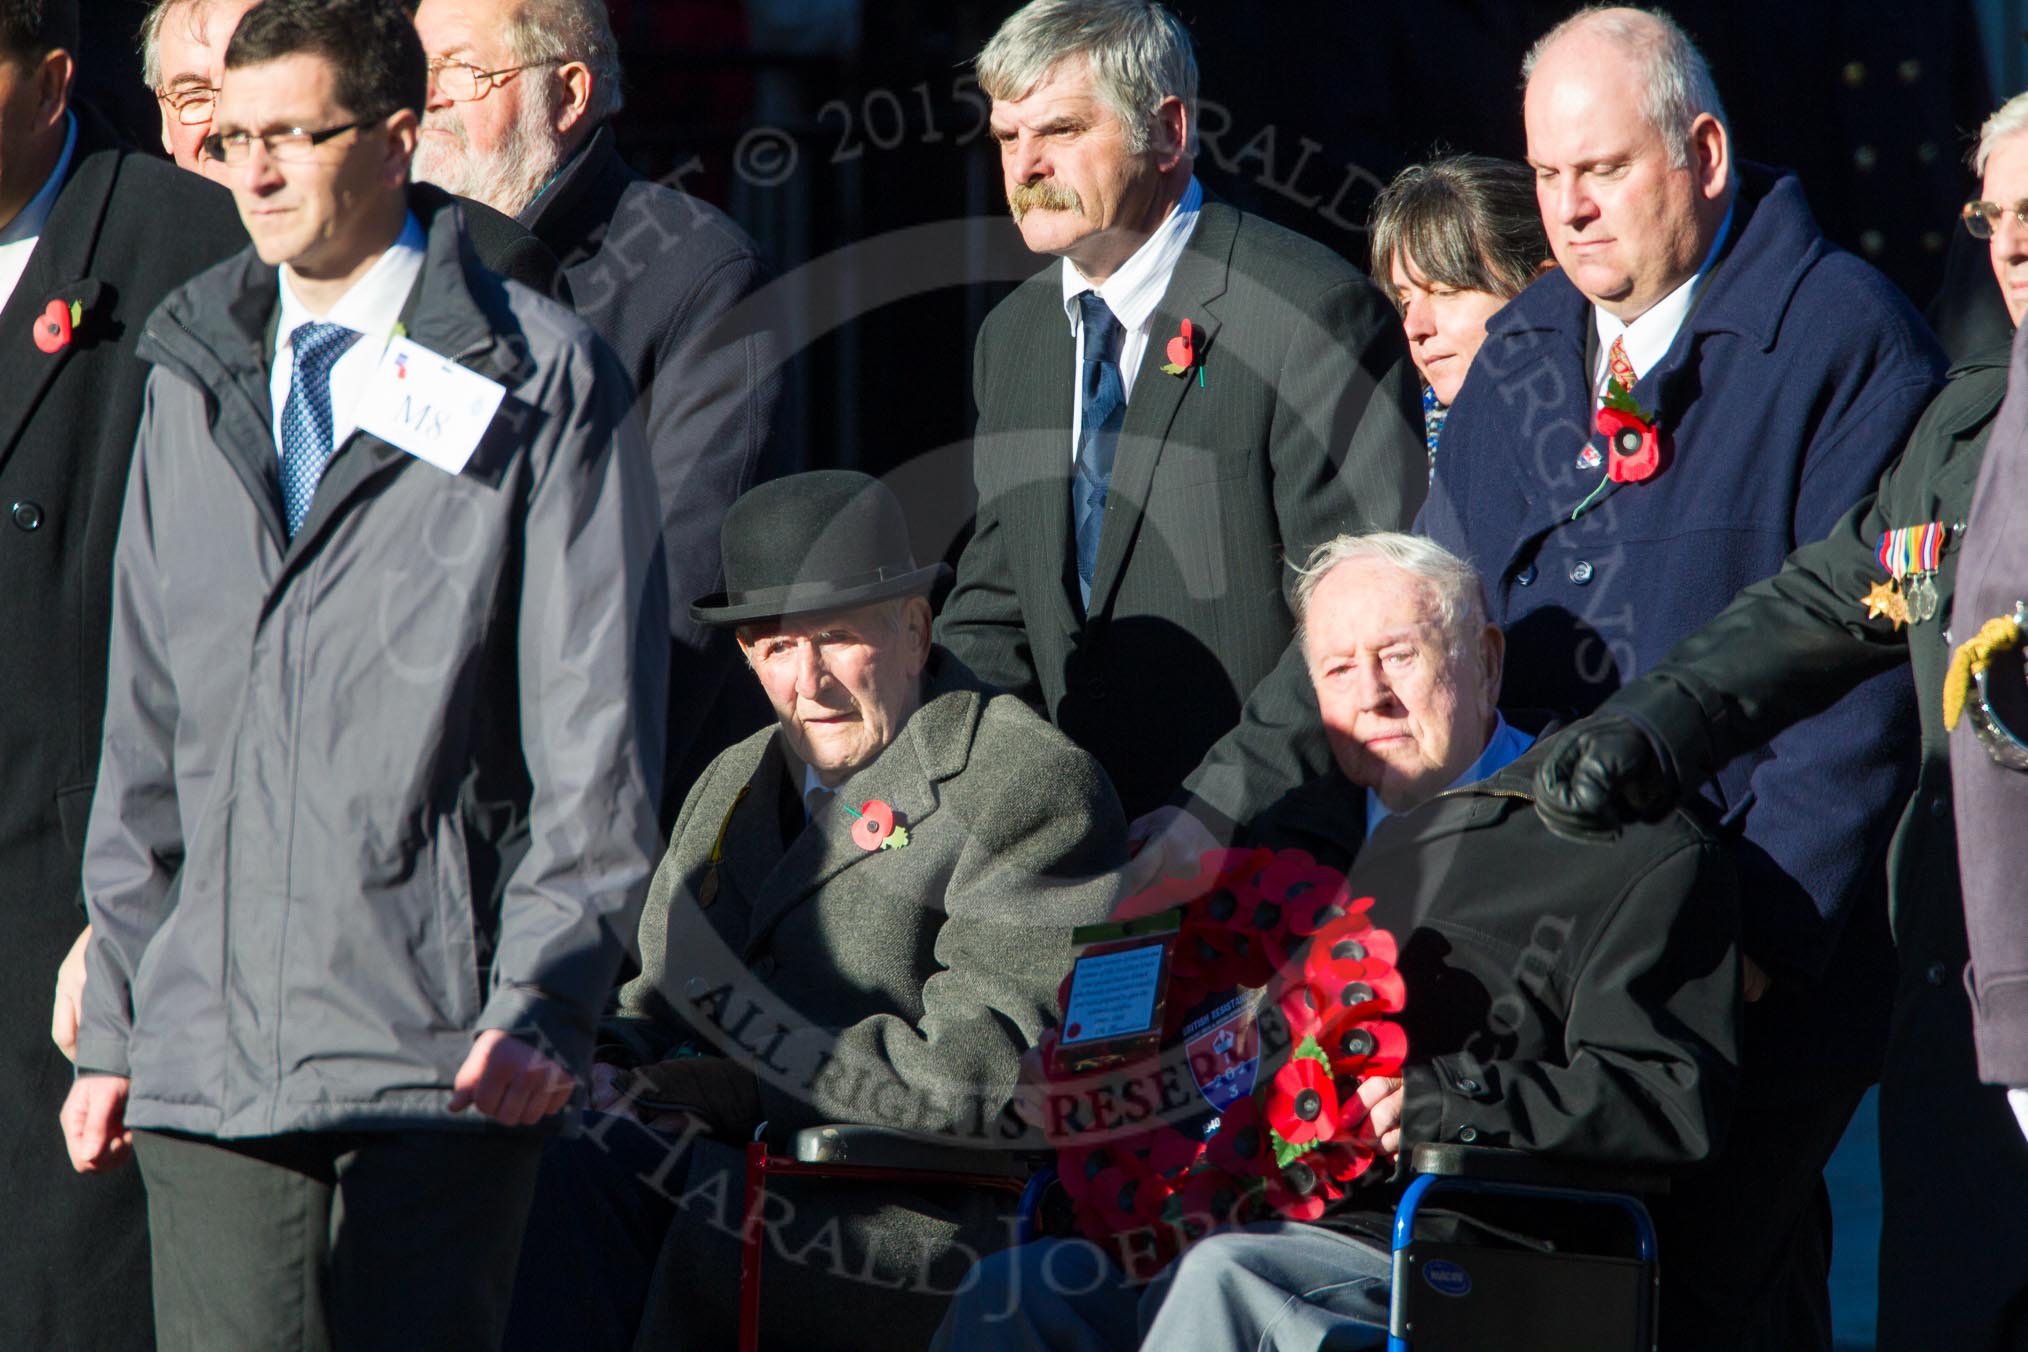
[386, 588]
[522, 97]
[84, 257]
[183, 57]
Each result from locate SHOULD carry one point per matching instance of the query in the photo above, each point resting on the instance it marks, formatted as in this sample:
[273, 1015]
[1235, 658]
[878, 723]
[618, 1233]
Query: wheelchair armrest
[1495, 1165]
[852, 1143]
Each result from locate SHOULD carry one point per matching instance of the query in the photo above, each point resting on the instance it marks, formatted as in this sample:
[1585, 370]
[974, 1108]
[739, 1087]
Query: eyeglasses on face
[191, 103]
[463, 82]
[1983, 218]
[294, 144]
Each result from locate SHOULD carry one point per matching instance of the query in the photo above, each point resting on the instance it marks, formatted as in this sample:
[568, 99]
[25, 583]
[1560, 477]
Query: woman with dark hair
[1452, 242]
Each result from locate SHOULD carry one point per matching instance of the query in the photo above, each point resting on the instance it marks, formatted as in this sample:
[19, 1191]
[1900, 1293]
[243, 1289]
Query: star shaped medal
[1885, 599]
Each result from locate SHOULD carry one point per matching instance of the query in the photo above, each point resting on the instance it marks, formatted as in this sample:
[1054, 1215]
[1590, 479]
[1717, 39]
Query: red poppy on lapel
[1633, 447]
[55, 325]
[1182, 351]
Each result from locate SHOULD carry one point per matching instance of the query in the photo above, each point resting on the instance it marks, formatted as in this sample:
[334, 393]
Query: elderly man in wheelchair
[1574, 1007]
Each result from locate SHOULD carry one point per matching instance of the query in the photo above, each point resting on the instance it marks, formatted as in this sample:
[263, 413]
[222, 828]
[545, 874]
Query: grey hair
[1468, 222]
[1676, 83]
[571, 30]
[2009, 119]
[1139, 54]
[151, 34]
[1460, 594]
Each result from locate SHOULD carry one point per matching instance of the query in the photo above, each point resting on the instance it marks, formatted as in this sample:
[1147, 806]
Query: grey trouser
[328, 1242]
[1273, 1287]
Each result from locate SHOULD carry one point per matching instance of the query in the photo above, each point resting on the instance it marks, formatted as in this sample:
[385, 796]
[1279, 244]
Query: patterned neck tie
[306, 417]
[1104, 397]
[1619, 367]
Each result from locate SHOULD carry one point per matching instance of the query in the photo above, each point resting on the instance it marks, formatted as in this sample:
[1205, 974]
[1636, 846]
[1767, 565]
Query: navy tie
[306, 417]
[1104, 397]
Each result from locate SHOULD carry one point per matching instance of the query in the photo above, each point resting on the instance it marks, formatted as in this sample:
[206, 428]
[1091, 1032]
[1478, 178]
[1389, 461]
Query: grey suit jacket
[1302, 421]
[897, 987]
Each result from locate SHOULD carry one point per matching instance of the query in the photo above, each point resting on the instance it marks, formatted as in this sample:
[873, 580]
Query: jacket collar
[589, 182]
[1774, 242]
[59, 269]
[214, 330]
[1202, 277]
[933, 746]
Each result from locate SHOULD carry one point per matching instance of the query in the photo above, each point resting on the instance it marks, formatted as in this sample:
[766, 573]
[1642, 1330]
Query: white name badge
[429, 406]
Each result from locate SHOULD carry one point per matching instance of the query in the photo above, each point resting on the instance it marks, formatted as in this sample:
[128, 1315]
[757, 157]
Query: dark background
[1309, 106]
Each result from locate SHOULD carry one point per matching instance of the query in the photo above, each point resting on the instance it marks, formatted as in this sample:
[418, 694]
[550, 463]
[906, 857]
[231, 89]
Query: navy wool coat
[1793, 383]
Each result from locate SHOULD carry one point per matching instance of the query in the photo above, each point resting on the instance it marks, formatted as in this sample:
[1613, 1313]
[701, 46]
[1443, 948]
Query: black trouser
[334, 1241]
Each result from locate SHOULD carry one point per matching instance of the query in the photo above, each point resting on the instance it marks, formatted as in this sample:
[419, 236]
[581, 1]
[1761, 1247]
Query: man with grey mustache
[1190, 398]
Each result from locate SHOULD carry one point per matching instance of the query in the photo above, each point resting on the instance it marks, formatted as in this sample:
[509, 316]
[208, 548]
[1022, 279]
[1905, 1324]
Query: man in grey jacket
[376, 800]
[862, 917]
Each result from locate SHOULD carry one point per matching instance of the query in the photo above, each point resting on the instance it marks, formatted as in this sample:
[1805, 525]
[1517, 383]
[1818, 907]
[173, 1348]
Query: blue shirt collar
[1503, 748]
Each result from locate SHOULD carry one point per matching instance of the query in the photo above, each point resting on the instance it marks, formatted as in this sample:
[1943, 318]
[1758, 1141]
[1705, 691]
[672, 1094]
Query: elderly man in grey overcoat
[862, 917]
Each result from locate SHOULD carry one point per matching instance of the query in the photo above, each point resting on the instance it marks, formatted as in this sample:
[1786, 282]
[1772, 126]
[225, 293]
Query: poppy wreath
[1288, 927]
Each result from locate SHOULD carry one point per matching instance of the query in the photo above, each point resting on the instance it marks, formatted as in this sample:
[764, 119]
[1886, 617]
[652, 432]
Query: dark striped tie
[1104, 409]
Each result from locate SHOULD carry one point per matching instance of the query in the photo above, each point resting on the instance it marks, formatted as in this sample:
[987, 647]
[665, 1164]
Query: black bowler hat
[830, 539]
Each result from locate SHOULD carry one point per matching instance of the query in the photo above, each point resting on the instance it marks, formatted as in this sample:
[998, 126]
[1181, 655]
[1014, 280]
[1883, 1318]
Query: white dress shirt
[1131, 293]
[19, 236]
[372, 306]
[1648, 339]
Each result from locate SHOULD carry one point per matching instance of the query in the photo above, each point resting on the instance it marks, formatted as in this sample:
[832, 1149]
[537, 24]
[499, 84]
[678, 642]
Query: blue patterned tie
[306, 417]
[1104, 409]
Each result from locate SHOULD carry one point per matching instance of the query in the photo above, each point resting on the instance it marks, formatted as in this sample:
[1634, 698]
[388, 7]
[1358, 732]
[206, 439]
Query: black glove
[1601, 773]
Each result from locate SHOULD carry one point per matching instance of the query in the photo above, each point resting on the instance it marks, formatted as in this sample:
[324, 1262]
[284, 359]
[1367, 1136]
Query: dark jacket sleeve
[1348, 456]
[981, 621]
[717, 425]
[1787, 648]
[1802, 865]
[1651, 1036]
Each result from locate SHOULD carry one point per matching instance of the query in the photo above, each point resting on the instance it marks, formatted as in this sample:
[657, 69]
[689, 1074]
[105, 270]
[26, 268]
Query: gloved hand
[1601, 773]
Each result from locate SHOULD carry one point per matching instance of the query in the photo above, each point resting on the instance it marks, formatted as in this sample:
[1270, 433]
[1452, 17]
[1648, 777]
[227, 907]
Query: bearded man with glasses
[522, 98]
[376, 801]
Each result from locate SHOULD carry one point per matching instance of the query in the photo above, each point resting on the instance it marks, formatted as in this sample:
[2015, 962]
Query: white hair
[2009, 119]
[151, 34]
[571, 30]
[1676, 83]
[1460, 594]
[1138, 52]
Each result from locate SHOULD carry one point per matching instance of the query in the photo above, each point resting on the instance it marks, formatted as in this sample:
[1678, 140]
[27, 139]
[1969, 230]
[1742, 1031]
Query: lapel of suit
[58, 270]
[930, 747]
[753, 839]
[1033, 453]
[1200, 279]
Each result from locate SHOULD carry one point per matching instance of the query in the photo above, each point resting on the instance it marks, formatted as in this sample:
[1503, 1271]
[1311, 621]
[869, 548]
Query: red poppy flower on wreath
[1208, 1199]
[1361, 1049]
[1241, 1144]
[1302, 1103]
[1296, 1191]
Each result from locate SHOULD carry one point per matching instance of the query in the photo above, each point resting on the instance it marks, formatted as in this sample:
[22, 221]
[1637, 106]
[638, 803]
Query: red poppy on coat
[53, 327]
[873, 826]
[1633, 447]
[1302, 1102]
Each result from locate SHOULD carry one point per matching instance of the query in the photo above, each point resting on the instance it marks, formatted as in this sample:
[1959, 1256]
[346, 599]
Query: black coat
[1300, 422]
[1571, 1000]
[668, 281]
[126, 229]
